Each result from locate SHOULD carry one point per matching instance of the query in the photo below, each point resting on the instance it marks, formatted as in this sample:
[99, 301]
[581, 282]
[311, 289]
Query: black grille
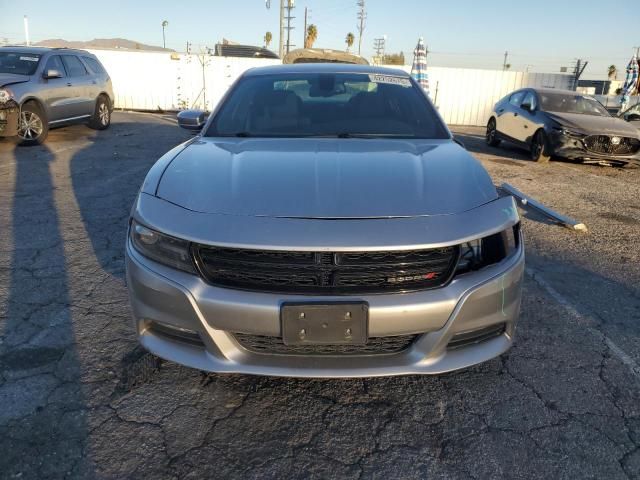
[374, 346]
[319, 273]
[605, 144]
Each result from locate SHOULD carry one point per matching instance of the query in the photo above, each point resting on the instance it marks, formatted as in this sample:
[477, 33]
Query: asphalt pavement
[80, 399]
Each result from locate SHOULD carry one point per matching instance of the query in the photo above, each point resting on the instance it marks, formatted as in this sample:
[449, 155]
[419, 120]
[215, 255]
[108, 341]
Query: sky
[540, 36]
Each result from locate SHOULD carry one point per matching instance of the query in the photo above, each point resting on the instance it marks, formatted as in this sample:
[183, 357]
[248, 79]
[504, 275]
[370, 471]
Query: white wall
[158, 80]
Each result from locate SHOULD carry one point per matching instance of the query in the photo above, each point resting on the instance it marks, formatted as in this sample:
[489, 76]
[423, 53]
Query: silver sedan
[323, 223]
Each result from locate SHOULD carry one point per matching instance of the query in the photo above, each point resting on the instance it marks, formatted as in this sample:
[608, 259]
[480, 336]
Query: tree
[612, 72]
[393, 59]
[312, 36]
[349, 40]
[267, 39]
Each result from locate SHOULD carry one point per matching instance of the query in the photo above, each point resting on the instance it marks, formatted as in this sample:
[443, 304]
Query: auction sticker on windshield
[378, 78]
[30, 59]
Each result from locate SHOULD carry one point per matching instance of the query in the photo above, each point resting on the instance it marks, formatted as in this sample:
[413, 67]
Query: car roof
[325, 68]
[41, 50]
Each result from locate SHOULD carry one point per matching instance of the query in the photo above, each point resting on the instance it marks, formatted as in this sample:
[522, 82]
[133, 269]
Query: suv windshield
[566, 103]
[327, 105]
[19, 63]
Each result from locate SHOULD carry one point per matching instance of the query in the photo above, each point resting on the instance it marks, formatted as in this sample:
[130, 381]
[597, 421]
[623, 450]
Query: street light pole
[164, 24]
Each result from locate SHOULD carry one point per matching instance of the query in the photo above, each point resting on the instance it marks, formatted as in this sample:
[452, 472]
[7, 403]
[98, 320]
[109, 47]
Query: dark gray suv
[42, 88]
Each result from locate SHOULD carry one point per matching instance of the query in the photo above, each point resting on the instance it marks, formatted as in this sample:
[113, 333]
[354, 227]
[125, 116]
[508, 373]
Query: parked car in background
[632, 115]
[42, 88]
[323, 55]
[563, 124]
[324, 223]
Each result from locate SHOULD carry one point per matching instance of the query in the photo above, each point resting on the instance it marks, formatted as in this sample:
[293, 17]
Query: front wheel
[33, 128]
[101, 118]
[492, 134]
[540, 148]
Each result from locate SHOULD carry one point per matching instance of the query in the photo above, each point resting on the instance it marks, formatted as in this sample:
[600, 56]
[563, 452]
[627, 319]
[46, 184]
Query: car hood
[11, 78]
[326, 178]
[591, 124]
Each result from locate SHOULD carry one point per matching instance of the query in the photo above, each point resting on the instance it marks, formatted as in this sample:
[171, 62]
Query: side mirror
[527, 107]
[632, 117]
[459, 142]
[52, 73]
[192, 119]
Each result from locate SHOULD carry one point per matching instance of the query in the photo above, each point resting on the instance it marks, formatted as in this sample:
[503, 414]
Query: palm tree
[349, 40]
[267, 39]
[312, 36]
[164, 25]
[612, 72]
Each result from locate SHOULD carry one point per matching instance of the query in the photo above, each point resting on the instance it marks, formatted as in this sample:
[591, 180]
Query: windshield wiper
[236, 134]
[373, 135]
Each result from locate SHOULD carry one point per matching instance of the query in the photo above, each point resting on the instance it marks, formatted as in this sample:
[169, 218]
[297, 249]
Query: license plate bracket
[332, 323]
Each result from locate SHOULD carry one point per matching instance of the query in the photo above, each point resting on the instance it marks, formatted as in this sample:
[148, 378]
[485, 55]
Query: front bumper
[572, 148]
[9, 119]
[169, 297]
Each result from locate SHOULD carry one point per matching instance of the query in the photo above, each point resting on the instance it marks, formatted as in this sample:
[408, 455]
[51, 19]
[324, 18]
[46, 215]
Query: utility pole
[26, 31]
[304, 33]
[362, 16]
[281, 39]
[504, 64]
[578, 71]
[290, 6]
[378, 46]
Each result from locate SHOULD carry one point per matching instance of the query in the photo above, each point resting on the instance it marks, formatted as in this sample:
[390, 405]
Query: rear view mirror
[52, 73]
[192, 119]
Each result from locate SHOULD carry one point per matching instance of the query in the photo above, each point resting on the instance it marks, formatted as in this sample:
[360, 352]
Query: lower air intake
[275, 345]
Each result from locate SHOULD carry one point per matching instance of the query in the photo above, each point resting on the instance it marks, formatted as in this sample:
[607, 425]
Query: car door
[56, 93]
[528, 120]
[508, 114]
[79, 81]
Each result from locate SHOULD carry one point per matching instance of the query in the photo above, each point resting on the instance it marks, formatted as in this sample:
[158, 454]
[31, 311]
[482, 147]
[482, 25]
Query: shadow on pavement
[43, 430]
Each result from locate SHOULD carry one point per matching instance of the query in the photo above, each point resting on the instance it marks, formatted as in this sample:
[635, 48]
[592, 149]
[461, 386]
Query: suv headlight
[170, 251]
[5, 95]
[490, 250]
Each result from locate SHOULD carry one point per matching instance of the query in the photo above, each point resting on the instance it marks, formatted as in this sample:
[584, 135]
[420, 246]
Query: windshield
[567, 103]
[19, 63]
[327, 104]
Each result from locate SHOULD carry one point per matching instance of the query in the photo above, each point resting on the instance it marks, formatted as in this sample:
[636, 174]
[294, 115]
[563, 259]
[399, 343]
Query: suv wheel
[101, 118]
[33, 128]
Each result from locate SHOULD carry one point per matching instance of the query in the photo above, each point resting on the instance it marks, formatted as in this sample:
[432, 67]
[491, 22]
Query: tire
[33, 128]
[101, 118]
[540, 148]
[491, 137]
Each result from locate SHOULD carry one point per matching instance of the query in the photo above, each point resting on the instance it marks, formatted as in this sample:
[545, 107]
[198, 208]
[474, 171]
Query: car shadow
[107, 174]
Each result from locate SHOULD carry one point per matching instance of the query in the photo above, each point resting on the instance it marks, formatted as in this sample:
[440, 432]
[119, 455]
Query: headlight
[5, 95]
[170, 251]
[490, 250]
[568, 132]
